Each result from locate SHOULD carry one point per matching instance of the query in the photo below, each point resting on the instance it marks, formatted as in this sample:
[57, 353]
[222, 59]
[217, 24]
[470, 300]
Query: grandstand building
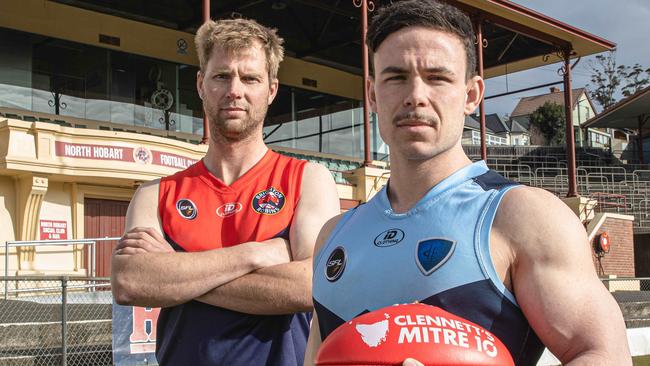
[97, 97]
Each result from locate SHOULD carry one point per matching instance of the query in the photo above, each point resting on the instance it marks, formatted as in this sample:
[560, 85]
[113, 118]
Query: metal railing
[91, 254]
[56, 321]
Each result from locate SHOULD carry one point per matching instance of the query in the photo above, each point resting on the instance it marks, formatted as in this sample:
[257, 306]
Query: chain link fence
[633, 297]
[55, 321]
[68, 320]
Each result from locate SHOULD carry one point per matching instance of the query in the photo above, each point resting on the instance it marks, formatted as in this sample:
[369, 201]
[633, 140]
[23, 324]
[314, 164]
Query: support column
[570, 138]
[30, 191]
[640, 141]
[479, 65]
[206, 127]
[363, 4]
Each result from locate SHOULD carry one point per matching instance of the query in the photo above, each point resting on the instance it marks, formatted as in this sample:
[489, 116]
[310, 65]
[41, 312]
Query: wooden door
[104, 218]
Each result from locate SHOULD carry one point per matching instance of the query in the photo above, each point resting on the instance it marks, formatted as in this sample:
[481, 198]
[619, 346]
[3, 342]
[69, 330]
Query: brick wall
[620, 259]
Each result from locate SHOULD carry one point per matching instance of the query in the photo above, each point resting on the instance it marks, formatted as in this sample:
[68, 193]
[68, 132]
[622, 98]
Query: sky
[624, 22]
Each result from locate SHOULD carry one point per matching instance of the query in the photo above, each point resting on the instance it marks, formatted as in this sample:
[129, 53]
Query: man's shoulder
[532, 218]
[191, 171]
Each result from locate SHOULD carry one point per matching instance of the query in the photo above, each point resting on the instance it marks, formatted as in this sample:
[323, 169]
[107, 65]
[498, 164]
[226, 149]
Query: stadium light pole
[206, 128]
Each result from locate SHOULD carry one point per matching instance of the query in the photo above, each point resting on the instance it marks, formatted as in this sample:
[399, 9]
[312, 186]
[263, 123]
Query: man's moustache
[415, 116]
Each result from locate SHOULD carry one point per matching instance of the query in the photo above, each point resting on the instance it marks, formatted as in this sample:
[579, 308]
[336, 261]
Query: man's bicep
[318, 203]
[143, 209]
[556, 285]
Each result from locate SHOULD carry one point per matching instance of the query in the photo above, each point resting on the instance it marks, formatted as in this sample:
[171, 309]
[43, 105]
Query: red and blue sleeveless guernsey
[199, 212]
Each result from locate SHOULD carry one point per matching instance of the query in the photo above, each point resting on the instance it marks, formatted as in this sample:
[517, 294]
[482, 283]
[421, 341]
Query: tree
[610, 81]
[549, 119]
[636, 79]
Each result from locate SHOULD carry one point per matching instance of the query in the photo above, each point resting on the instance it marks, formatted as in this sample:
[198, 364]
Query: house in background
[519, 131]
[472, 131]
[499, 131]
[583, 109]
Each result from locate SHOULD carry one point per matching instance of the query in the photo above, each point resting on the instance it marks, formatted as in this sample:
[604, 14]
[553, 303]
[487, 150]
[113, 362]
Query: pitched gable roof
[528, 105]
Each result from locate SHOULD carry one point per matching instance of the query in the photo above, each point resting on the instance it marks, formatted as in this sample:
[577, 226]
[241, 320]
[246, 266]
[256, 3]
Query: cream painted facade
[47, 171]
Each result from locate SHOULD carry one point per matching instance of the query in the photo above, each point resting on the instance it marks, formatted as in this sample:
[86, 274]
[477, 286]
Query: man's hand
[411, 362]
[276, 251]
[142, 240]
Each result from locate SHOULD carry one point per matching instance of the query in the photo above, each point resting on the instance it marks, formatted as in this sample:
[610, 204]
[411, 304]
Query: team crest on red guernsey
[268, 202]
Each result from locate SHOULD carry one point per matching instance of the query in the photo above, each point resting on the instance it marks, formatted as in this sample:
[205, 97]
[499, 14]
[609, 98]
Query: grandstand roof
[624, 114]
[528, 105]
[328, 32]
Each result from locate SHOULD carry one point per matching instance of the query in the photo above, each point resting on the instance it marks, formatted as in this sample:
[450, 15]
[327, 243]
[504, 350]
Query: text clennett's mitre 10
[426, 333]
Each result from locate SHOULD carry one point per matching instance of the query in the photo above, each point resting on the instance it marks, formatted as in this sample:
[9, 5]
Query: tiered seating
[336, 166]
[618, 188]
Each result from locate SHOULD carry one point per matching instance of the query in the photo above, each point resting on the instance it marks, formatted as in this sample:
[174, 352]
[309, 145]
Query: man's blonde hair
[239, 34]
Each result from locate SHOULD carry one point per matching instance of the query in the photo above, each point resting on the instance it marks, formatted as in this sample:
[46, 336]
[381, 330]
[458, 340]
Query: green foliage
[609, 81]
[550, 120]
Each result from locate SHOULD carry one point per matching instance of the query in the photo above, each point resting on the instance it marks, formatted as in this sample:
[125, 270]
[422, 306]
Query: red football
[426, 333]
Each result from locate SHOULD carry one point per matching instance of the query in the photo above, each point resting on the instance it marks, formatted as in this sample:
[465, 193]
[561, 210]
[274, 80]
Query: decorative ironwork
[485, 41]
[359, 3]
[53, 103]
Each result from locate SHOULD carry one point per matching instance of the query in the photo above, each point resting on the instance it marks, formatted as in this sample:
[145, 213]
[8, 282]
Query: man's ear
[370, 92]
[199, 83]
[273, 90]
[475, 90]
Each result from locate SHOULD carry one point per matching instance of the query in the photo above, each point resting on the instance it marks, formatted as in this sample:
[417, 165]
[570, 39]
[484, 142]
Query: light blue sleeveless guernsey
[437, 253]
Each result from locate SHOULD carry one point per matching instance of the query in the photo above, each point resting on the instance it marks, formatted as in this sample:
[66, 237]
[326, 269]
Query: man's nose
[235, 88]
[416, 95]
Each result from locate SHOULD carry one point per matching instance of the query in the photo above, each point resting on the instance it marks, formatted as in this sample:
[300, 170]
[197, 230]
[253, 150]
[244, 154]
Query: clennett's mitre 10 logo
[426, 333]
[425, 328]
[268, 202]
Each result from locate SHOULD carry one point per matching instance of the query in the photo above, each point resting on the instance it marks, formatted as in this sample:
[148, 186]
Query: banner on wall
[139, 154]
[53, 230]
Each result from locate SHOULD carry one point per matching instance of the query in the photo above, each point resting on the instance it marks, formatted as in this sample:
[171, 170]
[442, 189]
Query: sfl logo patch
[335, 264]
[268, 202]
[186, 208]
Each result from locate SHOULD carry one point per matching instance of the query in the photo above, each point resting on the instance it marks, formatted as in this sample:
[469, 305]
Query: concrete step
[634, 310]
[637, 323]
[16, 336]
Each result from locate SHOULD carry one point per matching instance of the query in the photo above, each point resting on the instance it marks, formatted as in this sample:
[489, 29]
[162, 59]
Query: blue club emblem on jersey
[433, 253]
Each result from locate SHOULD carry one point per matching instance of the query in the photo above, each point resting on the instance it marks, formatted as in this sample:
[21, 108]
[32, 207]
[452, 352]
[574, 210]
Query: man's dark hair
[423, 13]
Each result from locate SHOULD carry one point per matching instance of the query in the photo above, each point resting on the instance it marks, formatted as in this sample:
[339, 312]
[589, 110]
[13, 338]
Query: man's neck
[230, 160]
[410, 180]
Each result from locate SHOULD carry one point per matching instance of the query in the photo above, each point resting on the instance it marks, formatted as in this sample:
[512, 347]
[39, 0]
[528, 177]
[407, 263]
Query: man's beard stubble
[249, 125]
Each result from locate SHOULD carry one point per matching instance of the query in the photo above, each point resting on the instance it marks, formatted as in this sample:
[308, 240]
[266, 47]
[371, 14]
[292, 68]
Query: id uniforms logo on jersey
[268, 202]
[335, 264]
[186, 208]
[432, 253]
[389, 238]
[229, 209]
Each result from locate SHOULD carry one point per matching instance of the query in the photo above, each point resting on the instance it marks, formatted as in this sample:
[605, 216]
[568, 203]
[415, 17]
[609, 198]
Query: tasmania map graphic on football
[427, 333]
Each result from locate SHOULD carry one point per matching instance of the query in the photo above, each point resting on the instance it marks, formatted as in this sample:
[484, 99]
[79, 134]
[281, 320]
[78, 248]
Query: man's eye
[395, 78]
[437, 78]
